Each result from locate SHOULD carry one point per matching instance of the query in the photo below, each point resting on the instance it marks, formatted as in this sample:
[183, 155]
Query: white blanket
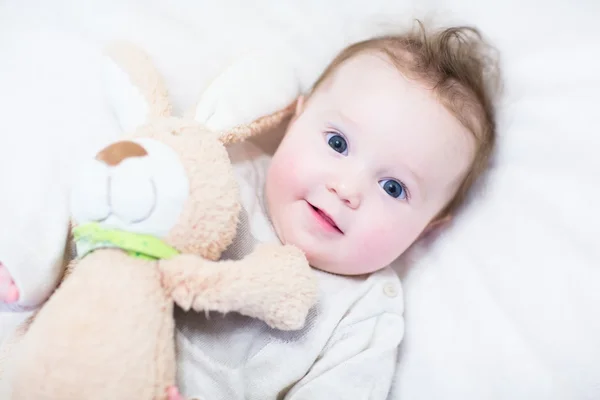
[504, 305]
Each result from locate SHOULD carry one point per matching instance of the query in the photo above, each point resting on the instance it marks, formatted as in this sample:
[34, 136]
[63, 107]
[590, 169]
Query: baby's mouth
[326, 218]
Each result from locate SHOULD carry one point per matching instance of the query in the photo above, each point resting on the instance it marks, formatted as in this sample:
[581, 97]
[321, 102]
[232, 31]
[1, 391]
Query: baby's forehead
[360, 68]
[369, 89]
[372, 80]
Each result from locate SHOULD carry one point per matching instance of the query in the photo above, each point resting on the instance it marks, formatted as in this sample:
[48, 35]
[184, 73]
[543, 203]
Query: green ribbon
[92, 236]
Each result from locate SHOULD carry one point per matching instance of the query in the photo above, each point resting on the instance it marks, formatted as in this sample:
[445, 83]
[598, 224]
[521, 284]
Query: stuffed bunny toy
[152, 214]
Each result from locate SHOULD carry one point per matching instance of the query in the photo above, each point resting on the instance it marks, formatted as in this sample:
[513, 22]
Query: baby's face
[366, 164]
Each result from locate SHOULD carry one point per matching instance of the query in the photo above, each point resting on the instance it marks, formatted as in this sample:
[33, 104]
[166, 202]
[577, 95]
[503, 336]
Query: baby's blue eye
[393, 188]
[337, 142]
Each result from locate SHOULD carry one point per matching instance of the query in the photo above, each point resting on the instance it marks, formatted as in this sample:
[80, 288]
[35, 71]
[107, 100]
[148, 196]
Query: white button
[390, 290]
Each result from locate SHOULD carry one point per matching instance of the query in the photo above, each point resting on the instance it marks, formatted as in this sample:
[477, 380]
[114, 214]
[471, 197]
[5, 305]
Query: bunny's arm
[274, 283]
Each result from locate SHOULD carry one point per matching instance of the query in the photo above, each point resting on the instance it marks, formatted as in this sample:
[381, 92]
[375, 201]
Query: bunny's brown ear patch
[115, 153]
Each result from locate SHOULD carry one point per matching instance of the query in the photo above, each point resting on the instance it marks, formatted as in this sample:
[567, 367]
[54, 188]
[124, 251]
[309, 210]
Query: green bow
[92, 236]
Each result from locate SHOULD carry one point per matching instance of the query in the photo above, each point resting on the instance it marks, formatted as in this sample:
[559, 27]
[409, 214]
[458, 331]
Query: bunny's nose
[119, 151]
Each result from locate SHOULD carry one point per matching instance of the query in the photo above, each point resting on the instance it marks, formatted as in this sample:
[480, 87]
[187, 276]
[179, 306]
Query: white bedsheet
[504, 306]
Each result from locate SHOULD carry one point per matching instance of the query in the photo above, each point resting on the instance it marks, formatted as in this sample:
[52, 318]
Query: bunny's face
[171, 179]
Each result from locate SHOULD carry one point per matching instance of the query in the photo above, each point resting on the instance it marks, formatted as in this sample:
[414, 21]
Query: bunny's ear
[262, 124]
[243, 99]
[134, 87]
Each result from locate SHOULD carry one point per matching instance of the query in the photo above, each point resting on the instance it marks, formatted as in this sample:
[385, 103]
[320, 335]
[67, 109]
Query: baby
[381, 151]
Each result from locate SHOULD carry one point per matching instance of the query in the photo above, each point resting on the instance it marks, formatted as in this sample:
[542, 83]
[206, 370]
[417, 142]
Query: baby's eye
[337, 142]
[393, 188]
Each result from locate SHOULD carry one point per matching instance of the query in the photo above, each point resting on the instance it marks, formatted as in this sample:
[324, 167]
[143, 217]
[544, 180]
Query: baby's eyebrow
[346, 120]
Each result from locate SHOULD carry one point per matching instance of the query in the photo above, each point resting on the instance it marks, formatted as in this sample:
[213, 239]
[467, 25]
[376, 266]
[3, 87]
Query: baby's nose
[348, 193]
[115, 153]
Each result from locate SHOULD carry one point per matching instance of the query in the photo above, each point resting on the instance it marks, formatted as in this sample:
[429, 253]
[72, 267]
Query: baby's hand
[173, 393]
[9, 293]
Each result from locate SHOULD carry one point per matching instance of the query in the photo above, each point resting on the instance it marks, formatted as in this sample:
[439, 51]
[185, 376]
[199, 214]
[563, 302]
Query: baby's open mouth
[326, 218]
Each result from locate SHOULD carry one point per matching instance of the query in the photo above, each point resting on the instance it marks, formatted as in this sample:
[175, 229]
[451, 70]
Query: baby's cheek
[377, 249]
[286, 172]
[278, 173]
[378, 246]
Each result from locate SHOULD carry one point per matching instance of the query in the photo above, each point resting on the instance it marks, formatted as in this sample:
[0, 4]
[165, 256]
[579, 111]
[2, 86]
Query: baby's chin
[339, 266]
[325, 256]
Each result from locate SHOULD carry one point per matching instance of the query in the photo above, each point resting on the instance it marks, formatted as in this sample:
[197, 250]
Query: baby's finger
[173, 393]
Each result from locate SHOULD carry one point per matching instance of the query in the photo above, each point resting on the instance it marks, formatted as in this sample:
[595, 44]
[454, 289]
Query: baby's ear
[134, 88]
[437, 225]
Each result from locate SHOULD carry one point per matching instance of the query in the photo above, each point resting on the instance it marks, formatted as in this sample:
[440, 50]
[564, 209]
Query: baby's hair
[461, 69]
